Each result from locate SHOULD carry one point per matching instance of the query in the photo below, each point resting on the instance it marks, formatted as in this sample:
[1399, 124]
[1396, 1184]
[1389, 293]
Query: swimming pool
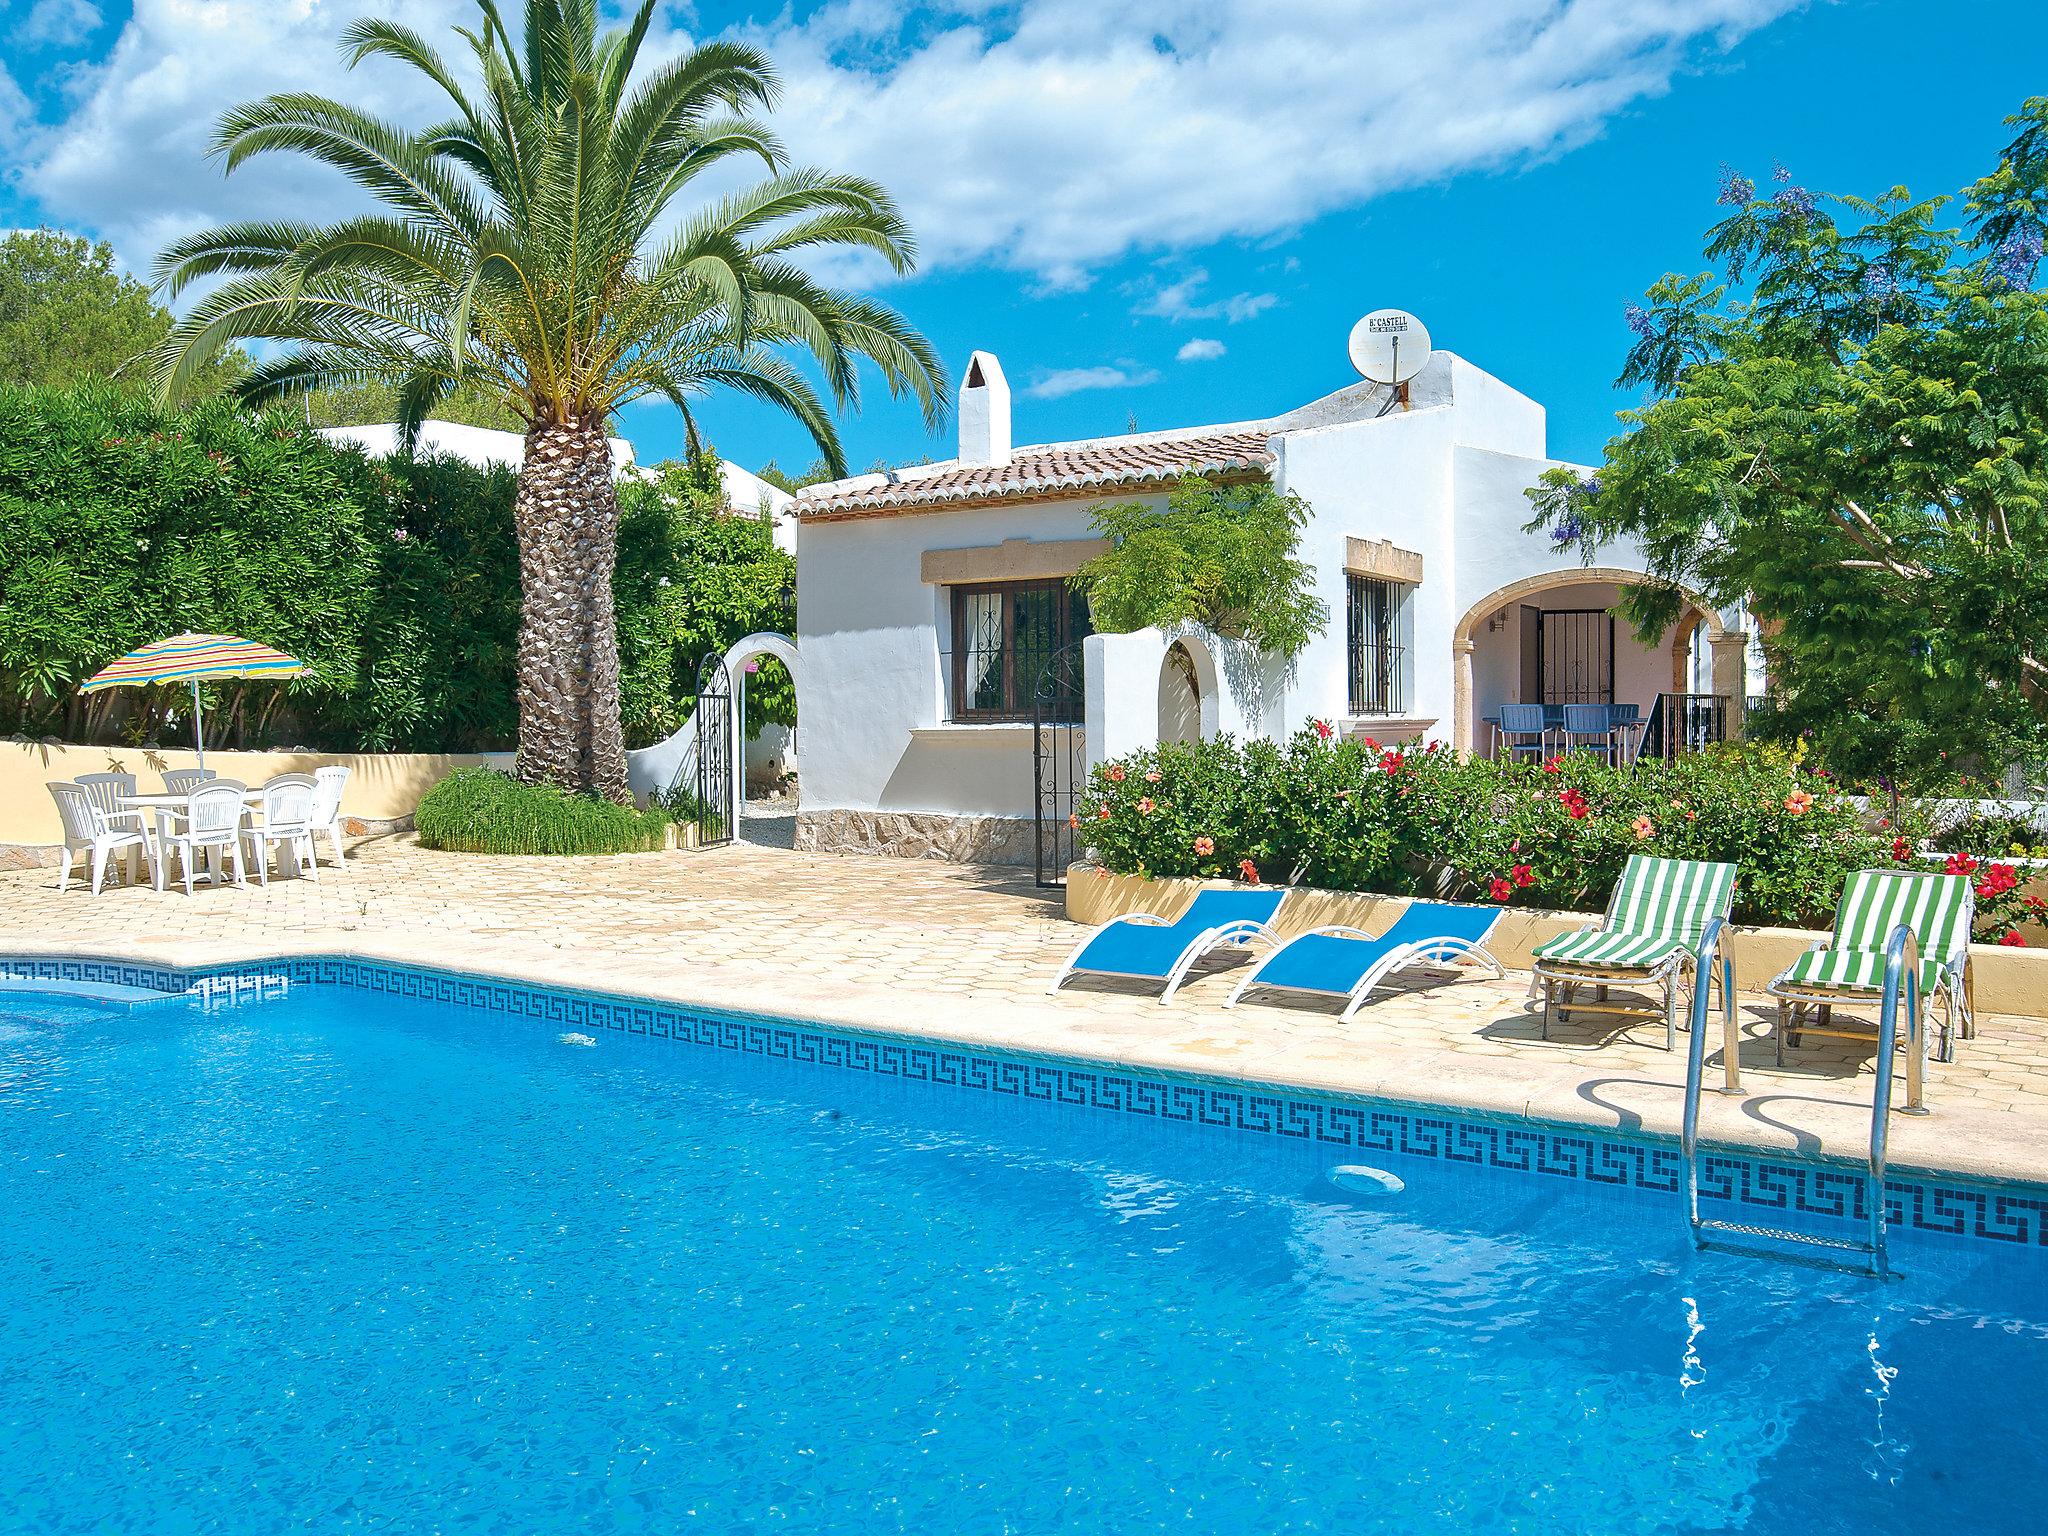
[312, 1256]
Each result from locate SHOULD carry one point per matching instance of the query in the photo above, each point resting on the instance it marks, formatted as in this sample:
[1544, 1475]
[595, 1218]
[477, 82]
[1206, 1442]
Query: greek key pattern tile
[2009, 1214]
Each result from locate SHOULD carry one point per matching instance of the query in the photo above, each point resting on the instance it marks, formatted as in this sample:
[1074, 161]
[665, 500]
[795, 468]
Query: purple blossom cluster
[1638, 319]
[1878, 281]
[1569, 530]
[1736, 188]
[2018, 254]
[1796, 200]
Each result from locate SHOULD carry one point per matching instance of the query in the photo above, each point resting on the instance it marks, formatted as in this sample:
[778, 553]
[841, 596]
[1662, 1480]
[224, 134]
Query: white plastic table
[163, 805]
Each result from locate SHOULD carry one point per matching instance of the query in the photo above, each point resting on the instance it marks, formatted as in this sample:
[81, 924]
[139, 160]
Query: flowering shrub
[1349, 814]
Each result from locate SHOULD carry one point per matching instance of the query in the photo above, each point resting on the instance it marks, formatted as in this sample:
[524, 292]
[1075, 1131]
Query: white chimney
[984, 412]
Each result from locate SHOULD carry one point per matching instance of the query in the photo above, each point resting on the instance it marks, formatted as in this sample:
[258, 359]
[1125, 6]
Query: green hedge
[1348, 815]
[397, 581]
[479, 810]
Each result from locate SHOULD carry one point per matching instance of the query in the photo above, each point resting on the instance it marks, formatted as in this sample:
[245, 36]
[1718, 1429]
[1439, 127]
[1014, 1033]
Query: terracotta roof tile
[1056, 469]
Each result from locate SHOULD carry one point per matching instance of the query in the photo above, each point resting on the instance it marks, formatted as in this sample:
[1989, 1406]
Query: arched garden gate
[707, 755]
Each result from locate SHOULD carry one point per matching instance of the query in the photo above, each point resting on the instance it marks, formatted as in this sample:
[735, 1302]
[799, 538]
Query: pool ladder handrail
[1901, 977]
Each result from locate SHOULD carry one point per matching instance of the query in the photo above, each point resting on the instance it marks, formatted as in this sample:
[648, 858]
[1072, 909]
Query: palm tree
[525, 247]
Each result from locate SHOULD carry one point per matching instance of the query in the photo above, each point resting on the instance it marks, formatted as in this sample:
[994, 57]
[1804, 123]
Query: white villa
[931, 600]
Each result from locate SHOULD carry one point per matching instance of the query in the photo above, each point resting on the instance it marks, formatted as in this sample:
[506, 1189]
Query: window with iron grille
[1003, 636]
[1376, 623]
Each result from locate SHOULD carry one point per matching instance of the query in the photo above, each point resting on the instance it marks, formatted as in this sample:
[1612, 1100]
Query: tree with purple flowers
[1846, 426]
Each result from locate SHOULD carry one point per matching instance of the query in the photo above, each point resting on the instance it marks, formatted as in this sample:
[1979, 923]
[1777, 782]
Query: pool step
[111, 992]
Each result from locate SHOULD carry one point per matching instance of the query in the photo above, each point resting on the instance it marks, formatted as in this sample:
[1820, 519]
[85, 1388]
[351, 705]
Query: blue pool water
[341, 1262]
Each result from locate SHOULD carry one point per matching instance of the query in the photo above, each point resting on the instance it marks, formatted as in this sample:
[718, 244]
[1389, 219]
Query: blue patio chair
[1145, 946]
[1521, 721]
[1590, 726]
[1346, 963]
[1628, 725]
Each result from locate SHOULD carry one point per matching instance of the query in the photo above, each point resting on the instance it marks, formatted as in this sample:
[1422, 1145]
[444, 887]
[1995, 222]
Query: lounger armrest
[1339, 931]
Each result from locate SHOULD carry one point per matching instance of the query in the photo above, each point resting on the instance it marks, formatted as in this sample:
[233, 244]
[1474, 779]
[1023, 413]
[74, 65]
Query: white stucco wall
[874, 637]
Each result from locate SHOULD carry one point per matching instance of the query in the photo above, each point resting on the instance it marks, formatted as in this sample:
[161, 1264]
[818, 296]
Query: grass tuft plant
[479, 810]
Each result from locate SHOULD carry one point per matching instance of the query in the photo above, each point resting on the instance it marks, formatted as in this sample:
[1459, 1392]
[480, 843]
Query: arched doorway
[1180, 694]
[657, 769]
[764, 764]
[1555, 633]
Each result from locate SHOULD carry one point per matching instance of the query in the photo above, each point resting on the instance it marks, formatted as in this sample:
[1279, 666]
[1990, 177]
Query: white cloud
[1048, 136]
[1071, 381]
[59, 24]
[1060, 135]
[1177, 301]
[1203, 349]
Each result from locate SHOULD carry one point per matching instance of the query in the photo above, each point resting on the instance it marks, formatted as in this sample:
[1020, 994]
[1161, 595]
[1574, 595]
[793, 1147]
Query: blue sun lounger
[1145, 946]
[1343, 962]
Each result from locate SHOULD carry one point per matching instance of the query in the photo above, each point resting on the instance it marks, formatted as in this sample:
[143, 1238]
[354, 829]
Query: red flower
[1323, 729]
[1103, 814]
[1500, 890]
[1247, 871]
[1523, 875]
[1145, 806]
[2012, 940]
[1553, 765]
[1205, 846]
[1960, 864]
[1902, 850]
[1371, 745]
[1390, 762]
[2000, 878]
[1116, 773]
[1574, 804]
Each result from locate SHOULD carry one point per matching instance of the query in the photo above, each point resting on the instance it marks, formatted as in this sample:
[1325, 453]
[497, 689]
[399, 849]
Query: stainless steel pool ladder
[1901, 978]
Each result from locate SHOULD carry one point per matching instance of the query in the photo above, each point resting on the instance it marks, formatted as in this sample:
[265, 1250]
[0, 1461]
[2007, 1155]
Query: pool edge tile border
[2007, 1214]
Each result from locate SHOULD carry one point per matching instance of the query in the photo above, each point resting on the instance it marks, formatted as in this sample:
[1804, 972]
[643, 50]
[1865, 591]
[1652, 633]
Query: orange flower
[1205, 846]
[1073, 819]
[1644, 828]
[1152, 777]
[1116, 773]
[1797, 802]
[1247, 871]
[1145, 806]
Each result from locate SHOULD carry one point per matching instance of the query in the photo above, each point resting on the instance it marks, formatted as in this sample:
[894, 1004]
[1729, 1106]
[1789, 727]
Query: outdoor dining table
[163, 804]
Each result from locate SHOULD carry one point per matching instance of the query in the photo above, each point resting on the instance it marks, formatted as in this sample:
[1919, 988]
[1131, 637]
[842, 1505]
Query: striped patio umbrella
[194, 659]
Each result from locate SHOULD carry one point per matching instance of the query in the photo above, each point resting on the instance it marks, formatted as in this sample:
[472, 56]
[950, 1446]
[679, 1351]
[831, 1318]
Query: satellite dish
[1389, 346]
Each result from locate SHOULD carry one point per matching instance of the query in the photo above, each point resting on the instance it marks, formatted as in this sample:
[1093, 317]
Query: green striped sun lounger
[1848, 967]
[1655, 918]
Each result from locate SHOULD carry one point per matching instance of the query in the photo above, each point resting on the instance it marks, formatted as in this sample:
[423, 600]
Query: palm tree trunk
[567, 515]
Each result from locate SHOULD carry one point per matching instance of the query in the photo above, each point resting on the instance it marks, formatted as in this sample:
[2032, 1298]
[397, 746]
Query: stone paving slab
[964, 953]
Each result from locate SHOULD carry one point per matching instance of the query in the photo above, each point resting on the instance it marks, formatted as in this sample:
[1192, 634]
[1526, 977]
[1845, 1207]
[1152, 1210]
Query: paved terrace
[964, 953]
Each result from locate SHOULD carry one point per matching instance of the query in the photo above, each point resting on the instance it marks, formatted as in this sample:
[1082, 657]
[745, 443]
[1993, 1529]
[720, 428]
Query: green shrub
[395, 580]
[1351, 815]
[479, 810]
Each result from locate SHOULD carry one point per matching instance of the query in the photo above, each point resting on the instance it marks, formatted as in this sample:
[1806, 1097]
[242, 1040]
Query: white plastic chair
[283, 820]
[182, 781]
[211, 820]
[328, 783]
[96, 833]
[107, 790]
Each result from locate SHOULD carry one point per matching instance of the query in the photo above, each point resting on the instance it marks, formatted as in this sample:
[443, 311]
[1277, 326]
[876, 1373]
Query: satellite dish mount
[1390, 346]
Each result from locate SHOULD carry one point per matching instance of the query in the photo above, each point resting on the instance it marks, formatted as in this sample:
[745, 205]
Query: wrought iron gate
[1059, 762]
[715, 767]
[1577, 650]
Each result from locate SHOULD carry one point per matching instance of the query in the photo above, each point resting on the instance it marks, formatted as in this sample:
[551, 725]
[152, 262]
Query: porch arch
[1724, 642]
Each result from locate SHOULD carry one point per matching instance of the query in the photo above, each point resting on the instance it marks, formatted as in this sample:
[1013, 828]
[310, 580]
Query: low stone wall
[384, 788]
[918, 835]
[2007, 980]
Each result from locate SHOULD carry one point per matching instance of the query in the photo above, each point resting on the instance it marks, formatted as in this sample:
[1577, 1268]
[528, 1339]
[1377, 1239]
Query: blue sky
[1167, 211]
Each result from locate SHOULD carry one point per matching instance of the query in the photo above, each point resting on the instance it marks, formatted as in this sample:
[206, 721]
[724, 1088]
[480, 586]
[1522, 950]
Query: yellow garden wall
[382, 786]
[2007, 980]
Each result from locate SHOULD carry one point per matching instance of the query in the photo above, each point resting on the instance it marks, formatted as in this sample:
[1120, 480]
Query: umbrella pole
[198, 731]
